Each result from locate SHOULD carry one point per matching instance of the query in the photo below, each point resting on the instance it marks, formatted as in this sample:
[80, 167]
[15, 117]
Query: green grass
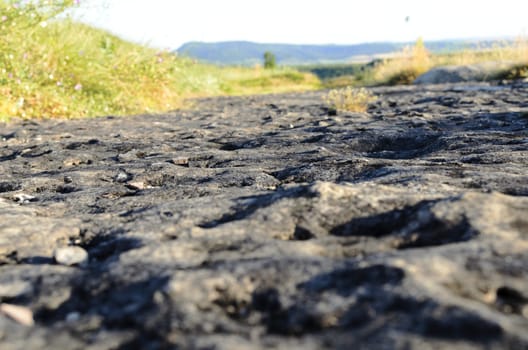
[60, 68]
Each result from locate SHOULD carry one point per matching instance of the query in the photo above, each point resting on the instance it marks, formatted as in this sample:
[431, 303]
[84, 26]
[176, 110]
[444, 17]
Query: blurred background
[71, 58]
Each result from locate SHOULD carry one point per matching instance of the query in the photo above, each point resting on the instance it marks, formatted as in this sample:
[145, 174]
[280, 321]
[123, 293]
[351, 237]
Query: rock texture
[265, 222]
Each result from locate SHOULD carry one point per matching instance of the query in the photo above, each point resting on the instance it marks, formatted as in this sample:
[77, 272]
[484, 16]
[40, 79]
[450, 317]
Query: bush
[349, 99]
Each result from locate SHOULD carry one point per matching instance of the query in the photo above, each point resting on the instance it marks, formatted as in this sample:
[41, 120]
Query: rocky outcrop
[460, 74]
[265, 222]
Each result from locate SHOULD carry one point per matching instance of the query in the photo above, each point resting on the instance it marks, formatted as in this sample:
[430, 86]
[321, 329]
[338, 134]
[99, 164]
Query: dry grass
[405, 67]
[413, 61]
[349, 99]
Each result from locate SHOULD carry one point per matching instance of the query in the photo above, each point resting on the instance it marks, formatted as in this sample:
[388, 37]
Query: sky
[167, 24]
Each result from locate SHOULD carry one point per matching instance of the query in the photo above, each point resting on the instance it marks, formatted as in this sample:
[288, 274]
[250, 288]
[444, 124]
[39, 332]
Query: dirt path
[265, 222]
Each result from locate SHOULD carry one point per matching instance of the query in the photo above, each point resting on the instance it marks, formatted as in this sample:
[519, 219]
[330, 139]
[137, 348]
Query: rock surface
[265, 222]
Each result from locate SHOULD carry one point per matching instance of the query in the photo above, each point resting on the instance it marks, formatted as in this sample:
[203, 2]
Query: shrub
[349, 99]
[406, 67]
[404, 77]
[270, 60]
[519, 71]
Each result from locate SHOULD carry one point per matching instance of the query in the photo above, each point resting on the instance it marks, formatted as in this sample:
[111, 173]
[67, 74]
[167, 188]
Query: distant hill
[249, 53]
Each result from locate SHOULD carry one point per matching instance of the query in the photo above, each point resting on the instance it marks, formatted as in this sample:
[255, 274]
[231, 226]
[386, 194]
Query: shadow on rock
[105, 296]
[411, 227]
[115, 303]
[370, 305]
[248, 205]
[345, 281]
[374, 313]
[413, 144]
[107, 248]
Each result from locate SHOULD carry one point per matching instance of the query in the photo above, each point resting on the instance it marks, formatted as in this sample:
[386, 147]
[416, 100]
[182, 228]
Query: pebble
[70, 256]
[73, 317]
[122, 176]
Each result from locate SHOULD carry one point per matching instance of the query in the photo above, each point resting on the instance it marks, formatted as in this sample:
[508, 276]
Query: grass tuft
[349, 99]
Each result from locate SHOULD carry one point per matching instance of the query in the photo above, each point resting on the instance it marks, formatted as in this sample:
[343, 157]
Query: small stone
[20, 314]
[122, 176]
[23, 198]
[70, 256]
[73, 317]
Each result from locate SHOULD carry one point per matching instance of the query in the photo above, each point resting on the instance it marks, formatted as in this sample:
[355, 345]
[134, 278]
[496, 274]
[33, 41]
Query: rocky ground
[271, 222]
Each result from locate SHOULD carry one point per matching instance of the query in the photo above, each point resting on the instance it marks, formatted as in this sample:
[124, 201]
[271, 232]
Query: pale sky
[170, 23]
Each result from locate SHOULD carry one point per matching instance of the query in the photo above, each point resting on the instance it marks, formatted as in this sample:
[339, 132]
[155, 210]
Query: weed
[349, 99]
